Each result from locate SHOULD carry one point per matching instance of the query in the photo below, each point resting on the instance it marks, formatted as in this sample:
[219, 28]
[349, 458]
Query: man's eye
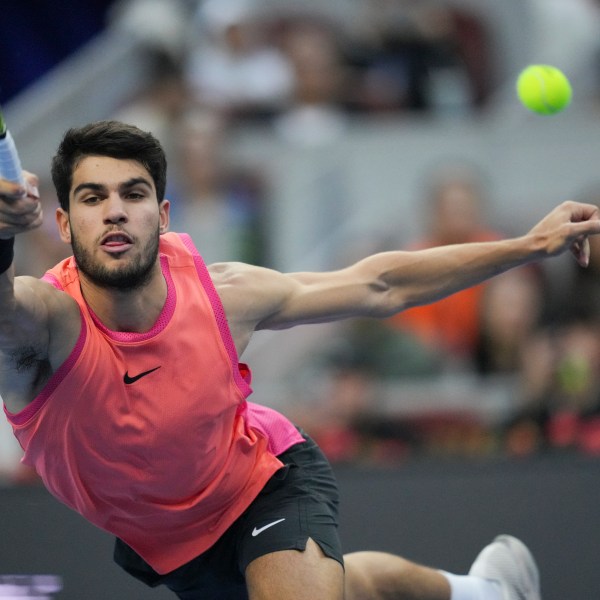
[91, 200]
[136, 196]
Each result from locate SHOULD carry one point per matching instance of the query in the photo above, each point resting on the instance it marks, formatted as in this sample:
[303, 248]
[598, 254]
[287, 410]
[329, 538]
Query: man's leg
[503, 570]
[295, 575]
[308, 575]
[382, 576]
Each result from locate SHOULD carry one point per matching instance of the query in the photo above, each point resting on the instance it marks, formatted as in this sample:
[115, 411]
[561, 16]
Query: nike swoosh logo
[127, 379]
[258, 530]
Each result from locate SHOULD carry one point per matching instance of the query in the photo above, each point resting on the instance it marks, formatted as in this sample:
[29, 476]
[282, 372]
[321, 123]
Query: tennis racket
[10, 165]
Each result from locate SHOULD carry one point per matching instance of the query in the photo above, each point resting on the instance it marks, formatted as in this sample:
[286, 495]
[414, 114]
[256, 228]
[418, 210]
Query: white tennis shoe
[509, 562]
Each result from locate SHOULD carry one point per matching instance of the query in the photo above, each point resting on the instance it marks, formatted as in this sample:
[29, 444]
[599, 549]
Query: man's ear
[164, 207]
[62, 221]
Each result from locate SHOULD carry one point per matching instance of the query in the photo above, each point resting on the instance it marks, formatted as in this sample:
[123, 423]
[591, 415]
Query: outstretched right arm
[30, 309]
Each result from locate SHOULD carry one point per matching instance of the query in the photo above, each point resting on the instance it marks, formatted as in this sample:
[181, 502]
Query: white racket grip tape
[10, 165]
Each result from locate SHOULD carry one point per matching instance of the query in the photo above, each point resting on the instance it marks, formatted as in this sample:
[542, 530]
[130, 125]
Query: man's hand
[20, 206]
[568, 226]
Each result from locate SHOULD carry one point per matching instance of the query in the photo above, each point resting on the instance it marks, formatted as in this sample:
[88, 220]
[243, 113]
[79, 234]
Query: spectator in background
[560, 392]
[456, 213]
[315, 113]
[577, 292]
[232, 65]
[511, 311]
[421, 55]
[560, 374]
[219, 204]
[157, 106]
[158, 25]
[423, 343]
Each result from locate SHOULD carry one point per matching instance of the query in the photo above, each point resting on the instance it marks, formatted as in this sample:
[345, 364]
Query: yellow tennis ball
[544, 89]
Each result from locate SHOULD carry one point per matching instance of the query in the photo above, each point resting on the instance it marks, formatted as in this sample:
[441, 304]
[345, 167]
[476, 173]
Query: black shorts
[300, 501]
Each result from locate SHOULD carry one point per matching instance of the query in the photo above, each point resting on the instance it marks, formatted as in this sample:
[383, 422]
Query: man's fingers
[33, 221]
[581, 211]
[17, 202]
[10, 191]
[581, 251]
[585, 227]
[25, 214]
[20, 206]
[20, 215]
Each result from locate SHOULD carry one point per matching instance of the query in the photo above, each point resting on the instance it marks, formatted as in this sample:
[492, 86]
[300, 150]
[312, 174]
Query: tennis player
[121, 378]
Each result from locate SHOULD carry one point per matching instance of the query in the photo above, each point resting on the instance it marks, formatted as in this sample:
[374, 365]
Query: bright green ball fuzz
[544, 89]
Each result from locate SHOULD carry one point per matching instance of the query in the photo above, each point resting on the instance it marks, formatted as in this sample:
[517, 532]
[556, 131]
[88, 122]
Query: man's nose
[115, 211]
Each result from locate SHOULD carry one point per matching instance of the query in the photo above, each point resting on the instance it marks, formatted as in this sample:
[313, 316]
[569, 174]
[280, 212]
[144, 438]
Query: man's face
[114, 222]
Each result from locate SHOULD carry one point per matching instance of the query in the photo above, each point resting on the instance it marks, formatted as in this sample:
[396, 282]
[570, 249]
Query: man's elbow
[386, 302]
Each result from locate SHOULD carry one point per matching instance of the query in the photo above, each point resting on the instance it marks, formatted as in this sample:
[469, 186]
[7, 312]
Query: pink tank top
[149, 435]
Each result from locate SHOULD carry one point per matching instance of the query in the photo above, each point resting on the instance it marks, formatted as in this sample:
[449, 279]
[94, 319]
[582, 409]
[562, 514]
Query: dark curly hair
[107, 138]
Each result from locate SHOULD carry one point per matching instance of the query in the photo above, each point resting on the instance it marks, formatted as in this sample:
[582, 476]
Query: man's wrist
[7, 253]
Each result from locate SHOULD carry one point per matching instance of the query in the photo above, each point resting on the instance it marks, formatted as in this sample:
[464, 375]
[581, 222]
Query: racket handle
[10, 165]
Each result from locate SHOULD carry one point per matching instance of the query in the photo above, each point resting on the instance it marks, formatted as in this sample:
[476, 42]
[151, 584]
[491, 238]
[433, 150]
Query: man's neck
[134, 311]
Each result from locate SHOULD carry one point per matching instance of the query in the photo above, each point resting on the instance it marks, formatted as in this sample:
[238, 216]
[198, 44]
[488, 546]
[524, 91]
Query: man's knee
[358, 584]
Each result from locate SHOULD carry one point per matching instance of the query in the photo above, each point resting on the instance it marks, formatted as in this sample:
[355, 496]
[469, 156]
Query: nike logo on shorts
[258, 530]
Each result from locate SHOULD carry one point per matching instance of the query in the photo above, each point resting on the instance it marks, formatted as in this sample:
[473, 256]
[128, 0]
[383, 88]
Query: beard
[131, 275]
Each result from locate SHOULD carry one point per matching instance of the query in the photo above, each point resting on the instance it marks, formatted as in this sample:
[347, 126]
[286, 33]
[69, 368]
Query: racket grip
[10, 165]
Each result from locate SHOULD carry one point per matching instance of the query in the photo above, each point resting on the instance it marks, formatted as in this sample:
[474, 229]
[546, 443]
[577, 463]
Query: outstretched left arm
[389, 282]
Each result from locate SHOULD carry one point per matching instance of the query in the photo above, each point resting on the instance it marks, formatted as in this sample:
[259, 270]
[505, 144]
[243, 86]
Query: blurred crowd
[533, 333]
[265, 60]
[301, 73]
[215, 65]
